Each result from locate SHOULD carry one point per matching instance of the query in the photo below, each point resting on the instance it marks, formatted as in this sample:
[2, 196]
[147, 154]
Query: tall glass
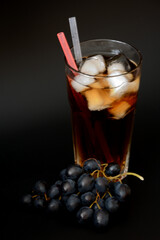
[103, 116]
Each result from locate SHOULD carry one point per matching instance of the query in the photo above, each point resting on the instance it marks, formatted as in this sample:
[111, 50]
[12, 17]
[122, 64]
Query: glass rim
[112, 76]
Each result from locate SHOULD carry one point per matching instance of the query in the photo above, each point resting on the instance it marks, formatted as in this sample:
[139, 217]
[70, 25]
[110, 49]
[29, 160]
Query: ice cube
[93, 65]
[94, 99]
[118, 92]
[98, 99]
[126, 87]
[116, 79]
[100, 62]
[117, 83]
[118, 63]
[84, 80]
[78, 87]
[133, 86]
[89, 67]
[115, 67]
[119, 109]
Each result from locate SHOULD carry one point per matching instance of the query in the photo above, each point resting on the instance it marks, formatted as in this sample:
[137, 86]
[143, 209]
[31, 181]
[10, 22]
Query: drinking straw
[75, 39]
[66, 50]
[68, 54]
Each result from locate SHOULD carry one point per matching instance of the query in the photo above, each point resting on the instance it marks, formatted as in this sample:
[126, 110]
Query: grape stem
[124, 174]
[98, 172]
[96, 201]
[109, 194]
[106, 193]
[34, 196]
[46, 197]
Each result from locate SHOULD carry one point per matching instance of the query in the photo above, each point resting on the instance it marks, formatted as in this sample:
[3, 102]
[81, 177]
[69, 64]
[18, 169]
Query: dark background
[35, 128]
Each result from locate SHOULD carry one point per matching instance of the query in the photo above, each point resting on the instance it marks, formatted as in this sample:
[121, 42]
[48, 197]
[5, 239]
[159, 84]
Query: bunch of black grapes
[92, 192]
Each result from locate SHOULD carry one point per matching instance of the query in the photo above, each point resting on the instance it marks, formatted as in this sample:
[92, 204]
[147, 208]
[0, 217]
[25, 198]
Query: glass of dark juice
[103, 95]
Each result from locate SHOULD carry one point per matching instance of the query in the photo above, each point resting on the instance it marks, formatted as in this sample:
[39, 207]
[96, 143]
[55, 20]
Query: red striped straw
[66, 50]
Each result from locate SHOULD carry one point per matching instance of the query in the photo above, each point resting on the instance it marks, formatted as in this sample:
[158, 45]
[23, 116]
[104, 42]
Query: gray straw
[75, 39]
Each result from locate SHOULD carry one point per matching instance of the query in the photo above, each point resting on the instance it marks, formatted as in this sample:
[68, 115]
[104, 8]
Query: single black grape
[73, 203]
[101, 185]
[100, 203]
[112, 204]
[91, 165]
[54, 205]
[84, 215]
[68, 187]
[87, 198]
[62, 174]
[54, 191]
[27, 200]
[112, 169]
[40, 187]
[74, 171]
[122, 192]
[85, 183]
[39, 202]
[100, 218]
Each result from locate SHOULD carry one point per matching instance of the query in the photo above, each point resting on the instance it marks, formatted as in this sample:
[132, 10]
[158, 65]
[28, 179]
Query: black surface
[35, 129]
